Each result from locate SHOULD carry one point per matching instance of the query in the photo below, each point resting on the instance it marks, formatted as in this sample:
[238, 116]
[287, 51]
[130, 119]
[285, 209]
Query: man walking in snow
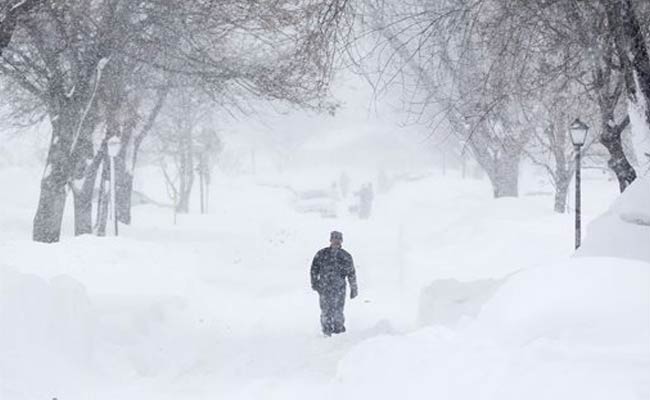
[329, 271]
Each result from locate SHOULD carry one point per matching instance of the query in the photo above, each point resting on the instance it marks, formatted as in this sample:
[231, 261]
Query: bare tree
[602, 46]
[476, 59]
[178, 140]
[550, 147]
[278, 50]
[445, 58]
[58, 62]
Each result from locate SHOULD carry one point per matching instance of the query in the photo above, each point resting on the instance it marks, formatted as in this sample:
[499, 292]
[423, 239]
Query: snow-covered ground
[461, 297]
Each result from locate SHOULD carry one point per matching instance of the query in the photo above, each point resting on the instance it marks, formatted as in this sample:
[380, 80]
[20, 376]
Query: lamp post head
[578, 131]
[114, 144]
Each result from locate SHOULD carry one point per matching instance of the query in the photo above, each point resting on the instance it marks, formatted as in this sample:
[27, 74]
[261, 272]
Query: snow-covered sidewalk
[219, 306]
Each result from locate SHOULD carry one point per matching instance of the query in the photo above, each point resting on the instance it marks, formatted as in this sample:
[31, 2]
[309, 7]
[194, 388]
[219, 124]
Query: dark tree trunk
[102, 198]
[84, 174]
[123, 174]
[123, 181]
[637, 51]
[609, 88]
[618, 162]
[83, 182]
[125, 161]
[632, 52]
[610, 137]
[123, 193]
[51, 202]
[83, 209]
[83, 196]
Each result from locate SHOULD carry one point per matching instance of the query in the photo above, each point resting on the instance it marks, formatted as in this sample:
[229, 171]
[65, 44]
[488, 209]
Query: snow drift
[48, 332]
[578, 329]
[624, 230]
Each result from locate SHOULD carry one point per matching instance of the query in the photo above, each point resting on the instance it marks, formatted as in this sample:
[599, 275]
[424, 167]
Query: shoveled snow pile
[573, 330]
[623, 231]
[50, 336]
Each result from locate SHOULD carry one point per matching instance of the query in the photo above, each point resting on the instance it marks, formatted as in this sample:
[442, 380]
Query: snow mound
[573, 330]
[447, 301]
[601, 301]
[51, 321]
[624, 230]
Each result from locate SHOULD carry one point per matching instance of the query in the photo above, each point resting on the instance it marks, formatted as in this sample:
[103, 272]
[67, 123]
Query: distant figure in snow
[365, 200]
[329, 270]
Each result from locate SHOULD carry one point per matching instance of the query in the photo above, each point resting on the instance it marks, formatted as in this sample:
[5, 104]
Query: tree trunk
[124, 185]
[186, 173]
[102, 198]
[561, 192]
[124, 170]
[51, 203]
[83, 184]
[201, 191]
[123, 193]
[637, 51]
[504, 174]
[504, 184]
[630, 41]
[618, 162]
[183, 202]
[611, 132]
[563, 169]
[83, 209]
[499, 159]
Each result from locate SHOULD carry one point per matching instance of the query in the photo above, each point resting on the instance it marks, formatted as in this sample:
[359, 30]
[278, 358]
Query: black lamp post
[578, 131]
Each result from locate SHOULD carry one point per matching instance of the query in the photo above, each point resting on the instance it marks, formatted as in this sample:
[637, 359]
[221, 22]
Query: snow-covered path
[219, 306]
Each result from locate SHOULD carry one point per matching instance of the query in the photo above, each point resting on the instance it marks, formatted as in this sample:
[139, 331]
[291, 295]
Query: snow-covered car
[322, 202]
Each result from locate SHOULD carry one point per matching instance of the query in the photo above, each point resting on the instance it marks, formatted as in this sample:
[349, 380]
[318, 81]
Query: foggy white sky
[365, 133]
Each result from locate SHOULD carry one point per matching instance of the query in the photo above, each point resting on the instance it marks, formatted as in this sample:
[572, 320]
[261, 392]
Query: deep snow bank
[596, 301]
[448, 301]
[572, 330]
[624, 230]
[473, 255]
[47, 332]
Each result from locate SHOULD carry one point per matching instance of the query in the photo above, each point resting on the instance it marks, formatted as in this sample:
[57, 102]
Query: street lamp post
[114, 144]
[578, 131]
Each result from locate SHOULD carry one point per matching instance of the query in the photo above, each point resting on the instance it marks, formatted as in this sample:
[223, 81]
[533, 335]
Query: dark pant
[332, 303]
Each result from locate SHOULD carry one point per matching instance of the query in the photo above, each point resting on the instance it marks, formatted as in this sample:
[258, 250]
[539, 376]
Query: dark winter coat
[330, 269]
